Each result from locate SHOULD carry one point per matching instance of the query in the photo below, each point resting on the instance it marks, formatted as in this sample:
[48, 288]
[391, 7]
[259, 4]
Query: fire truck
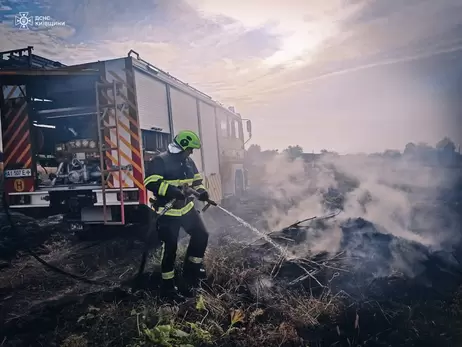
[76, 139]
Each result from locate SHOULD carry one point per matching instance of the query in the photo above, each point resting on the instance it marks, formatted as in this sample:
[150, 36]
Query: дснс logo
[23, 20]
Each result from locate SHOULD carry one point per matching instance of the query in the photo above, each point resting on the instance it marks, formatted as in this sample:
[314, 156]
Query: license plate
[18, 173]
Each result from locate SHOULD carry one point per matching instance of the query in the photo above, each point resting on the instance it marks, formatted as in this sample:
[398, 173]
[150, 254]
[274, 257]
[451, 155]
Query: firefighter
[166, 174]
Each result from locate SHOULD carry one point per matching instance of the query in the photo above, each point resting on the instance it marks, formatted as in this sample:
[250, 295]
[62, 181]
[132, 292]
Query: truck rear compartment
[63, 137]
[58, 114]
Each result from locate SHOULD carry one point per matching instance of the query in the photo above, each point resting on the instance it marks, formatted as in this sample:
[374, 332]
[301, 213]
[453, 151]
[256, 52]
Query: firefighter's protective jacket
[167, 173]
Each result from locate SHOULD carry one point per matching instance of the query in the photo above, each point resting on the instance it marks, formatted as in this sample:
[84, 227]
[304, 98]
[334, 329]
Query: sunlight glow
[300, 48]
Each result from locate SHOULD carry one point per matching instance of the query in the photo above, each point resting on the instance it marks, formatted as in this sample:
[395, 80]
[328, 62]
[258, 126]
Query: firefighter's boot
[193, 273]
[169, 291]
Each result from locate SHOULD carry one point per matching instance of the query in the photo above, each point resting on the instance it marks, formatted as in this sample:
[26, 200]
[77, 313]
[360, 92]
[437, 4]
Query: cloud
[384, 29]
[259, 47]
[303, 27]
[250, 53]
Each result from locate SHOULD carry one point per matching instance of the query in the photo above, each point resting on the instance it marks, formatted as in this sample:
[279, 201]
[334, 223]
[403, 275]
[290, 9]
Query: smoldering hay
[396, 216]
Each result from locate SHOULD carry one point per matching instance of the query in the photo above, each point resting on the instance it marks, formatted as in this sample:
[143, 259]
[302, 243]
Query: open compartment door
[32, 102]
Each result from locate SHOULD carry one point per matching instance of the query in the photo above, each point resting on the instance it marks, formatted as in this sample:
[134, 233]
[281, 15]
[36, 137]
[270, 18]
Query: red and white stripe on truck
[16, 136]
[19, 165]
[119, 70]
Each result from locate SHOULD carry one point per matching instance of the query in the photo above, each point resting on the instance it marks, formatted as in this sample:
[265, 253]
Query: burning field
[379, 266]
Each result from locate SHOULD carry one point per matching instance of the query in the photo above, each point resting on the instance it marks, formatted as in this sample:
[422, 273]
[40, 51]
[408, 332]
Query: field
[254, 296]
[380, 268]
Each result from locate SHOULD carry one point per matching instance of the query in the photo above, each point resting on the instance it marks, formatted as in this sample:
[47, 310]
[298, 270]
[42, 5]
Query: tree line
[443, 152]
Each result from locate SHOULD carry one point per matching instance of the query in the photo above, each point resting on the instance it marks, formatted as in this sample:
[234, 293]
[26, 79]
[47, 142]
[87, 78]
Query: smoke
[399, 199]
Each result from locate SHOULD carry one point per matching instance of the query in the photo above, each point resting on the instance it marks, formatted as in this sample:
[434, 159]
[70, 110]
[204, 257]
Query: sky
[348, 76]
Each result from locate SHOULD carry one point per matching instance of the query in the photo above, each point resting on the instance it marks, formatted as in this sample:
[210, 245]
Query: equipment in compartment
[78, 163]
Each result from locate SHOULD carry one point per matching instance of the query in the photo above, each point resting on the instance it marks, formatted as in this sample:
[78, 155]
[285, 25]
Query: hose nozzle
[190, 191]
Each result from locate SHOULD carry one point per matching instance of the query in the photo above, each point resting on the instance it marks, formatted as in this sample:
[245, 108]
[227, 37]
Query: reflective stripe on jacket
[167, 173]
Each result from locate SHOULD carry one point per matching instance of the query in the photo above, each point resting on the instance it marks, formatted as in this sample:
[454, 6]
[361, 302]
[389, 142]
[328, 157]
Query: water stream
[281, 250]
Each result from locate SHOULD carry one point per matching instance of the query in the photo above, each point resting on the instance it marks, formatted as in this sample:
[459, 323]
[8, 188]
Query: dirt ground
[252, 297]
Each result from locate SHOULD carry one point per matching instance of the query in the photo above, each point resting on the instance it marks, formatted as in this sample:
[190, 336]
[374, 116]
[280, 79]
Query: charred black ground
[254, 295]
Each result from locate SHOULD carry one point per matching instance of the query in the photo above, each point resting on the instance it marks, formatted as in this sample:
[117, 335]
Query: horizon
[458, 148]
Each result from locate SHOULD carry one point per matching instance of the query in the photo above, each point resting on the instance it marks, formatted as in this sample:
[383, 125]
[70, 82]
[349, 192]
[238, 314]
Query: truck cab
[231, 147]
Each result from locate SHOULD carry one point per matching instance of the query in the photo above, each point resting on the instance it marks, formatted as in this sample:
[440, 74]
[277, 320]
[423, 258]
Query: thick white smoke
[399, 196]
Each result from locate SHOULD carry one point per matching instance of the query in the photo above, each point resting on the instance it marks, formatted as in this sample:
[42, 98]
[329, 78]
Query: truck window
[224, 128]
[241, 131]
[232, 128]
[236, 129]
[154, 140]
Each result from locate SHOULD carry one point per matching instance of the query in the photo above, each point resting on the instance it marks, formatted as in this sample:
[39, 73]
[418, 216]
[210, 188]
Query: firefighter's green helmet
[187, 139]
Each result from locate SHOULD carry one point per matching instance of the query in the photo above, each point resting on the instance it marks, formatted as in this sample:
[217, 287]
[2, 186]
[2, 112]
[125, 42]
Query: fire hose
[152, 227]
[38, 258]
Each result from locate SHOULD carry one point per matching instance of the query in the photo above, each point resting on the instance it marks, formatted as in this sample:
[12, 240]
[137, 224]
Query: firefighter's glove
[178, 194]
[203, 195]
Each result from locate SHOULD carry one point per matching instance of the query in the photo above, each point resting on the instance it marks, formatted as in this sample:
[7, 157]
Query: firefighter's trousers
[169, 229]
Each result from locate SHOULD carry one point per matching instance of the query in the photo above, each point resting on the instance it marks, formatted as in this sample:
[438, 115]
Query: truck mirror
[249, 126]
